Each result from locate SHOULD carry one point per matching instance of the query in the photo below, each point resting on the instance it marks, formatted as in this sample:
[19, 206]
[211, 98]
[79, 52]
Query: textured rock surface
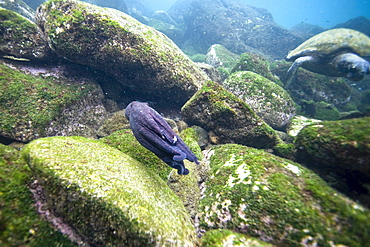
[109, 198]
[137, 55]
[215, 109]
[268, 100]
[21, 38]
[33, 106]
[20, 223]
[276, 200]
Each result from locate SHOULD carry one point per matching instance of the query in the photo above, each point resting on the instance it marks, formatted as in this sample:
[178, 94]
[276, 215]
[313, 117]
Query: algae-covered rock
[20, 38]
[269, 101]
[20, 224]
[308, 86]
[255, 63]
[225, 237]
[342, 145]
[298, 122]
[125, 141]
[215, 109]
[33, 106]
[19, 7]
[276, 200]
[108, 197]
[140, 57]
[219, 56]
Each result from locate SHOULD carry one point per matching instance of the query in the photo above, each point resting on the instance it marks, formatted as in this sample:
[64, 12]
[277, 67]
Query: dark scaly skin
[155, 134]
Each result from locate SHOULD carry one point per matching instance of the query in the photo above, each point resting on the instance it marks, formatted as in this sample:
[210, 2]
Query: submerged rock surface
[215, 109]
[270, 101]
[276, 200]
[108, 197]
[137, 55]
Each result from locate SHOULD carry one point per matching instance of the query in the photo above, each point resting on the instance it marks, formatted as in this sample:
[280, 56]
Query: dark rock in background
[238, 27]
[361, 24]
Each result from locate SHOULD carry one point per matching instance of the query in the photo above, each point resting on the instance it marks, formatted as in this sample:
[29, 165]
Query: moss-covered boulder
[125, 141]
[21, 39]
[223, 237]
[139, 56]
[298, 122]
[343, 146]
[20, 224]
[255, 63]
[268, 100]
[34, 106]
[220, 56]
[276, 200]
[215, 109]
[107, 196]
[308, 86]
[19, 7]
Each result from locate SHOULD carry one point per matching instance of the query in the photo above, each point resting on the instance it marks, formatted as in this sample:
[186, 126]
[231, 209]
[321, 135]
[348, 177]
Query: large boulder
[21, 224]
[268, 100]
[138, 56]
[341, 148]
[21, 39]
[109, 198]
[232, 120]
[237, 26]
[276, 200]
[58, 103]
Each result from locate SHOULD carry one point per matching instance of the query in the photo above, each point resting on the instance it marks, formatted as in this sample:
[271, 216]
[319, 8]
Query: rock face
[341, 147]
[215, 109]
[33, 106]
[239, 27]
[269, 101]
[21, 225]
[21, 38]
[140, 57]
[276, 200]
[109, 198]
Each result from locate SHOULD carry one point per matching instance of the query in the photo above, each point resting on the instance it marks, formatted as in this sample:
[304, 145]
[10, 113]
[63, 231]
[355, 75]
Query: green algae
[90, 35]
[20, 224]
[126, 142]
[108, 196]
[254, 63]
[225, 237]
[256, 193]
[29, 103]
[345, 143]
[215, 109]
[270, 101]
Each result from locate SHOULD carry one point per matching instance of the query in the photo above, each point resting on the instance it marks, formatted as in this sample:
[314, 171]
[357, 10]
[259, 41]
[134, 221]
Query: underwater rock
[306, 30]
[109, 198]
[223, 237]
[268, 100]
[48, 101]
[308, 86]
[340, 147]
[19, 7]
[278, 201]
[298, 122]
[215, 109]
[255, 63]
[21, 225]
[125, 141]
[237, 26]
[219, 56]
[21, 39]
[361, 24]
[114, 123]
[138, 56]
